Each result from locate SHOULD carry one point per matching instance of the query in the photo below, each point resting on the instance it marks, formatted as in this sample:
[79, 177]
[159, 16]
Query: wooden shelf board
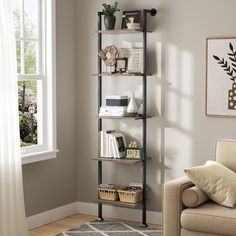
[124, 160]
[120, 204]
[119, 75]
[123, 117]
[121, 31]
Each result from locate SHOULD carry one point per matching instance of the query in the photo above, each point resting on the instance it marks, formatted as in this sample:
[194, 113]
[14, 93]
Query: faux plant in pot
[109, 18]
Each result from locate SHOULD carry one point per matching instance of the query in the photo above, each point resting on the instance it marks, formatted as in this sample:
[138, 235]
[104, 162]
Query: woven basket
[108, 194]
[130, 196]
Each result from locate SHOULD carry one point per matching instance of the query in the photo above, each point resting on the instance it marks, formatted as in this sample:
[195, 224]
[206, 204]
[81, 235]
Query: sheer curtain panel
[12, 210]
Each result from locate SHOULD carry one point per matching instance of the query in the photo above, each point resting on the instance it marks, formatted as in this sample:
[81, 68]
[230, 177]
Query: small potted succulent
[109, 18]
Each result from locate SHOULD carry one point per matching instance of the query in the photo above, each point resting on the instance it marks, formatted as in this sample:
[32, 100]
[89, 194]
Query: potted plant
[109, 18]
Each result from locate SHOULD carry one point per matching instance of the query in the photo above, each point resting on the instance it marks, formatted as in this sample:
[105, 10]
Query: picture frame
[135, 59]
[134, 16]
[121, 65]
[220, 97]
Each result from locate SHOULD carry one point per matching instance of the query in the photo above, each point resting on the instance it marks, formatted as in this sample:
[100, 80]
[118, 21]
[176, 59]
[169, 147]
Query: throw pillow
[216, 180]
[193, 197]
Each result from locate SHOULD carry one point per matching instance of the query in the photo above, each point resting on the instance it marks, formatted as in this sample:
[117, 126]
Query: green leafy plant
[229, 69]
[126, 19]
[110, 10]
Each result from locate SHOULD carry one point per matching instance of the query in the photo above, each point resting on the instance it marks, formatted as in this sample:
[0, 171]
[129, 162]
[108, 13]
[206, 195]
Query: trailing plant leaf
[231, 46]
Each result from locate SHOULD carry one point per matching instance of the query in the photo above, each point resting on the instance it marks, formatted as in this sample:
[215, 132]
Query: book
[112, 110]
[119, 145]
[105, 143]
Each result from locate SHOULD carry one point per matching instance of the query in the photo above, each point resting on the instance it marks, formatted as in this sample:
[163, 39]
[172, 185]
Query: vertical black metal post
[99, 105]
[144, 215]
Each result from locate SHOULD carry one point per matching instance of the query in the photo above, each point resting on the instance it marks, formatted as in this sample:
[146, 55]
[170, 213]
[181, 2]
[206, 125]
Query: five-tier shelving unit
[100, 75]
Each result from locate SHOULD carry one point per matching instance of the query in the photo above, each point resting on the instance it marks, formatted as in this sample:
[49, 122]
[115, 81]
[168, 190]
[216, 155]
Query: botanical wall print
[221, 77]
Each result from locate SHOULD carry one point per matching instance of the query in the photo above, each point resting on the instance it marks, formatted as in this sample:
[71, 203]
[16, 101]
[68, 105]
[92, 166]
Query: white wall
[181, 135]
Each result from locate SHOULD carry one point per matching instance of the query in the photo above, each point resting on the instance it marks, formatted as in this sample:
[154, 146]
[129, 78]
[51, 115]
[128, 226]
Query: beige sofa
[208, 219]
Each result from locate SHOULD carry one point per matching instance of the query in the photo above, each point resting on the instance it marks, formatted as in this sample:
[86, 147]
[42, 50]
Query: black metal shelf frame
[152, 12]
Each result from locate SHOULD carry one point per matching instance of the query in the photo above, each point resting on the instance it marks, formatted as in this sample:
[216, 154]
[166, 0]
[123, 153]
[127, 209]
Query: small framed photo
[121, 65]
[130, 17]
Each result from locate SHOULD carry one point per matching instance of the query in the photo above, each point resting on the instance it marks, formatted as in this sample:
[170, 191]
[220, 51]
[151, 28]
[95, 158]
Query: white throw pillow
[216, 180]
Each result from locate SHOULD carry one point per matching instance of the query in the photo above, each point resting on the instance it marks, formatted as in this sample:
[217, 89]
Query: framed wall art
[221, 77]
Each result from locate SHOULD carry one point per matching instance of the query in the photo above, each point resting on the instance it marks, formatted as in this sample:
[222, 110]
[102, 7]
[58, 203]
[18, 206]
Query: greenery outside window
[35, 54]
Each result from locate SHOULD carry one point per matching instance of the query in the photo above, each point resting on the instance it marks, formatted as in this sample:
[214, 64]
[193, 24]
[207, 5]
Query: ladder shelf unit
[142, 205]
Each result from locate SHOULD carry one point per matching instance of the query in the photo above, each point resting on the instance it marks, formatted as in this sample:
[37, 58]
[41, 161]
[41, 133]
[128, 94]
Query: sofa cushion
[225, 153]
[193, 197]
[210, 218]
[216, 180]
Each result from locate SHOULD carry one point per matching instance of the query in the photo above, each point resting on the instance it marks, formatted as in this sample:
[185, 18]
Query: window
[35, 42]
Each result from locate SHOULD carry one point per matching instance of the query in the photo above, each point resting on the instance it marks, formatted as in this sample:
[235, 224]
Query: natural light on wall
[179, 108]
[35, 43]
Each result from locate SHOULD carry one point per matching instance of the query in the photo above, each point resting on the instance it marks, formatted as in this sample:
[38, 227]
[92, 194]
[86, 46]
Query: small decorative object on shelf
[108, 55]
[116, 101]
[131, 19]
[132, 109]
[140, 110]
[133, 151]
[121, 65]
[115, 106]
[109, 18]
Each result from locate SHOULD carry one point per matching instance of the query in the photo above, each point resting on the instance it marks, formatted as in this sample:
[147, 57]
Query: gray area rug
[111, 229]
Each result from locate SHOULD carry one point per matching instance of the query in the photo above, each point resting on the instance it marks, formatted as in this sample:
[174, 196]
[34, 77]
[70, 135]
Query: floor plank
[61, 225]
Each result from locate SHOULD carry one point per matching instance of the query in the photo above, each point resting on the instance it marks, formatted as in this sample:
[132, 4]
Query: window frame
[47, 74]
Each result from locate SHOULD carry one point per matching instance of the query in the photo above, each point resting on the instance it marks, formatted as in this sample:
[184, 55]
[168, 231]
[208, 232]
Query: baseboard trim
[51, 215]
[119, 213]
[91, 209]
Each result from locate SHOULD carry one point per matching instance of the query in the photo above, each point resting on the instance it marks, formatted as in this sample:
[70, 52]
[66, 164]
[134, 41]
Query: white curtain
[12, 210]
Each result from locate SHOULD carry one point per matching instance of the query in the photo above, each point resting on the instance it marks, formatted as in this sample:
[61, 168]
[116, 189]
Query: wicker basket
[130, 196]
[110, 194]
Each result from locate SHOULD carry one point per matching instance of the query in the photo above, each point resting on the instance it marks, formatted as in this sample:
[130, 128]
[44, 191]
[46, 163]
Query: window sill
[38, 156]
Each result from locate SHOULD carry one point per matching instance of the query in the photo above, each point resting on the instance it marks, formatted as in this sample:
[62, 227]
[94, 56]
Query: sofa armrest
[173, 206]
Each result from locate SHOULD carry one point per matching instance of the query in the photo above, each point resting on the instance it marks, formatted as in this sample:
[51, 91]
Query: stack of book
[112, 144]
[115, 106]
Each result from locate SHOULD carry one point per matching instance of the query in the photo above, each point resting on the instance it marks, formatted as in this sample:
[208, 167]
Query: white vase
[132, 107]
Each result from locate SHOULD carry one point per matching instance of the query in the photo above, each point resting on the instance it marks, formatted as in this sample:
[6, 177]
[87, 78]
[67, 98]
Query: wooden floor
[61, 225]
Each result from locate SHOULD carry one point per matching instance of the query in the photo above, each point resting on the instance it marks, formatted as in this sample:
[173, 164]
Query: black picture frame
[136, 14]
[121, 65]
